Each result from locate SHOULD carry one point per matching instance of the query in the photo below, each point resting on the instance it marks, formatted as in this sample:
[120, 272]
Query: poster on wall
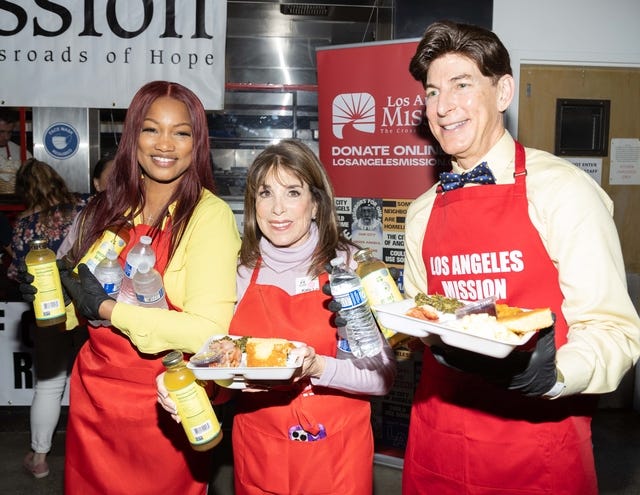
[373, 139]
[379, 156]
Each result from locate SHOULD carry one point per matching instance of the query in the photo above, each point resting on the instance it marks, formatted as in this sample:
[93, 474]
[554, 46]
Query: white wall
[567, 32]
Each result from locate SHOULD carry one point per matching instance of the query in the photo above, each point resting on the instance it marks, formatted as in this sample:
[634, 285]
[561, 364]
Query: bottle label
[112, 288]
[343, 345]
[98, 251]
[150, 298]
[49, 301]
[198, 419]
[348, 298]
[380, 287]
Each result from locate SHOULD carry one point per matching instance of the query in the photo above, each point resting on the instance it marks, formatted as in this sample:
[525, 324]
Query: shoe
[38, 470]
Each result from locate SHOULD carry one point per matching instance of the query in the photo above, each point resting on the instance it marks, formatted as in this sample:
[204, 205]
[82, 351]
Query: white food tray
[238, 377]
[393, 316]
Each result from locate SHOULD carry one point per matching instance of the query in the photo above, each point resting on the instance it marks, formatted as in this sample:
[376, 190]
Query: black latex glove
[334, 306]
[85, 290]
[25, 283]
[531, 372]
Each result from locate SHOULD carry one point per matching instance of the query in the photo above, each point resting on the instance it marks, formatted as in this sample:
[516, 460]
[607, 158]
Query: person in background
[50, 208]
[545, 233]
[313, 436]
[10, 155]
[161, 183]
[101, 172]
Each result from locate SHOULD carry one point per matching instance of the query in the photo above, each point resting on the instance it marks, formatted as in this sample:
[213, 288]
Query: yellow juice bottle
[48, 304]
[194, 408]
[377, 282]
[112, 238]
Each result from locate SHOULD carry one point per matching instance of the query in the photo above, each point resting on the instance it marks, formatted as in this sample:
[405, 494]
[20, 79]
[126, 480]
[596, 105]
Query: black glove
[333, 306]
[87, 293]
[531, 372]
[25, 283]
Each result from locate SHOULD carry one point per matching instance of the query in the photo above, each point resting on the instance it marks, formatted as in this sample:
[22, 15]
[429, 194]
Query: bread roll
[527, 321]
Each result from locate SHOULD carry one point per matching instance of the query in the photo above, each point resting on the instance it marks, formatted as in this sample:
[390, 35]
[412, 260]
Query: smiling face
[284, 208]
[165, 142]
[464, 108]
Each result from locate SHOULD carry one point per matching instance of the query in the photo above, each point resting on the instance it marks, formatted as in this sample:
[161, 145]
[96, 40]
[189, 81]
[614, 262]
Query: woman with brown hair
[313, 436]
[49, 212]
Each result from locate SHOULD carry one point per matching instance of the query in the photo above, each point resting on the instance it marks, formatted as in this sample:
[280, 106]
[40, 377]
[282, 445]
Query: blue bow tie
[479, 175]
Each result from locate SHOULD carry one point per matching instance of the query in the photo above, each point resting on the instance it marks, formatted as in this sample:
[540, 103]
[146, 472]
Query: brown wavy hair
[124, 196]
[474, 42]
[41, 187]
[297, 158]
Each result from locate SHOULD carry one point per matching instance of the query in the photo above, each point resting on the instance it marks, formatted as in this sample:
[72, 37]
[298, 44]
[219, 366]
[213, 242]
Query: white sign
[97, 53]
[592, 166]
[17, 375]
[625, 162]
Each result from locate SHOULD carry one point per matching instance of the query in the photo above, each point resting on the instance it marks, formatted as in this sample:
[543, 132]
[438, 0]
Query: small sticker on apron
[307, 284]
[298, 434]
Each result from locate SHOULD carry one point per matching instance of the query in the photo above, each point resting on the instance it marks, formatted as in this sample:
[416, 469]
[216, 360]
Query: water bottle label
[112, 287]
[343, 345]
[351, 299]
[150, 298]
[129, 270]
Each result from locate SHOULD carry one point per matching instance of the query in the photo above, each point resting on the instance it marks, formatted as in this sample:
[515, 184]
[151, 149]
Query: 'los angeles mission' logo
[61, 141]
[357, 110]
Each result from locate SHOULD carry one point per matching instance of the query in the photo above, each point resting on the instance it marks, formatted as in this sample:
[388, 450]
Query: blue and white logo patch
[61, 140]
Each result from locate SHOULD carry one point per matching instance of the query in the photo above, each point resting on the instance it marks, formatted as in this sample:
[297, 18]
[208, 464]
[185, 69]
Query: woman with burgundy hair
[160, 185]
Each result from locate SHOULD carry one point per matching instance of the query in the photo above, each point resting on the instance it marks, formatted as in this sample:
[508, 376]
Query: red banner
[373, 139]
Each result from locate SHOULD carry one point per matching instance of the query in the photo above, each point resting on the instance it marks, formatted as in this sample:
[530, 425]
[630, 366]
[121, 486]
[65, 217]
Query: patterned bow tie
[479, 175]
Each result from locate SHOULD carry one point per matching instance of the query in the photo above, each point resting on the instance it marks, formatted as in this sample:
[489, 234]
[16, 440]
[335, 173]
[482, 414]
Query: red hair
[124, 196]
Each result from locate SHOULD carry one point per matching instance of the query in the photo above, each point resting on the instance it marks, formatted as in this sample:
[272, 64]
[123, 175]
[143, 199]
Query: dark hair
[41, 187]
[474, 42]
[8, 115]
[101, 164]
[295, 157]
[124, 196]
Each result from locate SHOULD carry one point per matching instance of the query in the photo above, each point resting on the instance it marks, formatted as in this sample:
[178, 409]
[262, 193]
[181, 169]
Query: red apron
[466, 436]
[118, 439]
[267, 458]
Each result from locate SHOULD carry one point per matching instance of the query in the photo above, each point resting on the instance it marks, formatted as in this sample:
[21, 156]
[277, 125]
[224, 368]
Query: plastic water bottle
[142, 251]
[110, 274]
[148, 287]
[364, 338]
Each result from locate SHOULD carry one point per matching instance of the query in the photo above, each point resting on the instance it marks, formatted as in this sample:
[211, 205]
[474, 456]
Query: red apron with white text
[466, 436]
[119, 441]
[267, 459]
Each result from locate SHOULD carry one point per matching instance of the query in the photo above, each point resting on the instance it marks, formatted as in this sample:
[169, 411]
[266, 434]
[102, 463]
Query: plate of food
[232, 361]
[483, 327]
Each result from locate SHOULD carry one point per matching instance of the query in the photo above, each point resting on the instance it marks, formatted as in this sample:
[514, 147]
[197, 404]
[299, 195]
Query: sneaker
[38, 470]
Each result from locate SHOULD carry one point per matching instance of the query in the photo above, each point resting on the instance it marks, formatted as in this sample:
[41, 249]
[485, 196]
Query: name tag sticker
[307, 284]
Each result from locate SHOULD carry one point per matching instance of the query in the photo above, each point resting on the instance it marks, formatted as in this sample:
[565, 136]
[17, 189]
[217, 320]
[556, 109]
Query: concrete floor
[616, 437]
